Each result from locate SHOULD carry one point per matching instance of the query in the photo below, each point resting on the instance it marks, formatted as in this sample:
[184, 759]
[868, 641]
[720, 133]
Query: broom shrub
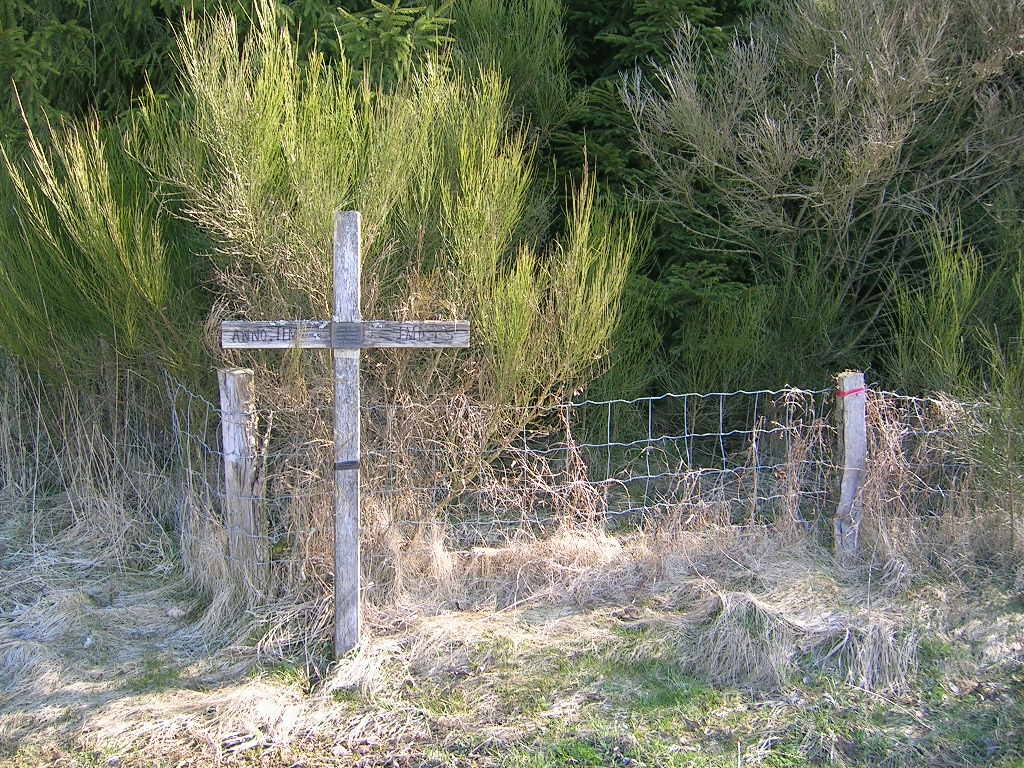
[456, 220]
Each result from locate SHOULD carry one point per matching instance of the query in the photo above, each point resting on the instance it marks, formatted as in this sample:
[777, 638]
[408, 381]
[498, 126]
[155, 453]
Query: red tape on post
[849, 392]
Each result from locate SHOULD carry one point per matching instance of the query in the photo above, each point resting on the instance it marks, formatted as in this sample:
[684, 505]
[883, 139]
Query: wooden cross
[345, 334]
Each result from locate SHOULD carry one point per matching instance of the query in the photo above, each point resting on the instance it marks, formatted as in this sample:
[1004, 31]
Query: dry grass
[81, 461]
[499, 631]
[642, 640]
[938, 495]
[451, 521]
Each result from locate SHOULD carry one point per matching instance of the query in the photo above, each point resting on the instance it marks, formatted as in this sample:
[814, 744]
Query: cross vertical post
[346, 436]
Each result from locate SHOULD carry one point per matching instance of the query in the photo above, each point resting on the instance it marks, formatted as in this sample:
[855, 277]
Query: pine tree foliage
[388, 41]
[817, 181]
[71, 57]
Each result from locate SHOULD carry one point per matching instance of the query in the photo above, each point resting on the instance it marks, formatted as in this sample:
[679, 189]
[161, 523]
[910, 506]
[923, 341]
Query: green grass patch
[285, 673]
[38, 756]
[603, 743]
[442, 699]
[157, 674]
[658, 685]
[347, 696]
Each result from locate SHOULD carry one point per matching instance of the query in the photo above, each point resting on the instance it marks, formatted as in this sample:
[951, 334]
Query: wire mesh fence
[460, 509]
[438, 469]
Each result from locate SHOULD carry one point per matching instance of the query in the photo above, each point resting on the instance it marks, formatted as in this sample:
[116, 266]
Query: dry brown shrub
[932, 500]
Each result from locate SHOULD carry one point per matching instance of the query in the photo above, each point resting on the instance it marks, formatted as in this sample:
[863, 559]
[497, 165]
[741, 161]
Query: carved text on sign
[277, 335]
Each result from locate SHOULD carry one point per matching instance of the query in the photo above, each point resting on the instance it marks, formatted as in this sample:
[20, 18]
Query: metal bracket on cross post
[346, 335]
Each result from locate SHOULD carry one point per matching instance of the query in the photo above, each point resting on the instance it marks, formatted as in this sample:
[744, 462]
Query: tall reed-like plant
[524, 41]
[88, 255]
[935, 321]
[445, 180]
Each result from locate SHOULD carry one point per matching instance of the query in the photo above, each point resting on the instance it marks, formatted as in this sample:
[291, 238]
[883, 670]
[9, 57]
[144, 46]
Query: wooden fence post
[248, 547]
[851, 405]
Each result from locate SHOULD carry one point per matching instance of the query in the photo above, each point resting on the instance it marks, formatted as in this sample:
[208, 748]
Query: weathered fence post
[247, 543]
[851, 406]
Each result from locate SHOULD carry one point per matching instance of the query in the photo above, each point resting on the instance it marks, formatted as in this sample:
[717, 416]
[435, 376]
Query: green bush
[453, 221]
[830, 138]
[92, 260]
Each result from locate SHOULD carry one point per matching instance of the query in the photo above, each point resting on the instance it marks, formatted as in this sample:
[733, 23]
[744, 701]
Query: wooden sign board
[324, 334]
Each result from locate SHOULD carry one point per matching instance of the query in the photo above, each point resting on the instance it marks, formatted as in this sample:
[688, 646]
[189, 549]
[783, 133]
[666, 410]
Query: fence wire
[740, 457]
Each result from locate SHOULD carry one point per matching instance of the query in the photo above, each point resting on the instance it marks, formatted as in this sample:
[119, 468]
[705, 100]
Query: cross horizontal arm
[324, 334]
